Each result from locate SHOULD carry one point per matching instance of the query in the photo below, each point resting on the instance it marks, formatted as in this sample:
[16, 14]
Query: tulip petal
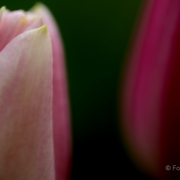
[14, 23]
[151, 96]
[61, 118]
[143, 144]
[1, 11]
[26, 139]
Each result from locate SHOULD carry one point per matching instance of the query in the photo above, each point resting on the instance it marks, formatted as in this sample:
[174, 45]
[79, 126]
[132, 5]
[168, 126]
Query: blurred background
[96, 35]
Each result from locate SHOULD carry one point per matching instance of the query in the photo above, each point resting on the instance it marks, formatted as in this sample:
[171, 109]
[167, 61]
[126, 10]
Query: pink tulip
[35, 135]
[151, 97]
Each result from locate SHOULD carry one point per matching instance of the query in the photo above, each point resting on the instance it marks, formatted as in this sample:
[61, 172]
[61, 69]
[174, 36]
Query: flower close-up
[35, 133]
[151, 95]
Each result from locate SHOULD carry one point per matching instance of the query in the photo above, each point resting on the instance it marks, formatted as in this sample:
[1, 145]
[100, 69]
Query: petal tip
[43, 29]
[38, 7]
[2, 9]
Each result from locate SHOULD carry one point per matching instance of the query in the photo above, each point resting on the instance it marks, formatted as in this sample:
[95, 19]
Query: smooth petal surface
[151, 96]
[26, 140]
[14, 23]
[61, 117]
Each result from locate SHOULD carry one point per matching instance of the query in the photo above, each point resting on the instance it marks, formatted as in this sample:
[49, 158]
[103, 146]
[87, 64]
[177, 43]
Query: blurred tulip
[35, 141]
[151, 97]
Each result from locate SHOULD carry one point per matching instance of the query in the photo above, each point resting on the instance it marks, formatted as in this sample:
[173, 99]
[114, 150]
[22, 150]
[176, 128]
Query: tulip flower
[35, 139]
[151, 94]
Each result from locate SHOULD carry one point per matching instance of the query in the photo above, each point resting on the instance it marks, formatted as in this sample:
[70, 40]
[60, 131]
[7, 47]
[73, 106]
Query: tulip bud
[61, 118]
[151, 95]
[35, 138]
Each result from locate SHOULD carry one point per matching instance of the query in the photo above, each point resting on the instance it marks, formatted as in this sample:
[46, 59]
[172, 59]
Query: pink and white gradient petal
[26, 142]
[61, 111]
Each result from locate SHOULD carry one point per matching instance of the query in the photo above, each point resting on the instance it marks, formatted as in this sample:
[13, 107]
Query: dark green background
[96, 34]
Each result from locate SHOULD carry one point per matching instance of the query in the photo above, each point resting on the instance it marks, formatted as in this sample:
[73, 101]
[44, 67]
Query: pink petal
[61, 118]
[151, 101]
[14, 23]
[26, 139]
